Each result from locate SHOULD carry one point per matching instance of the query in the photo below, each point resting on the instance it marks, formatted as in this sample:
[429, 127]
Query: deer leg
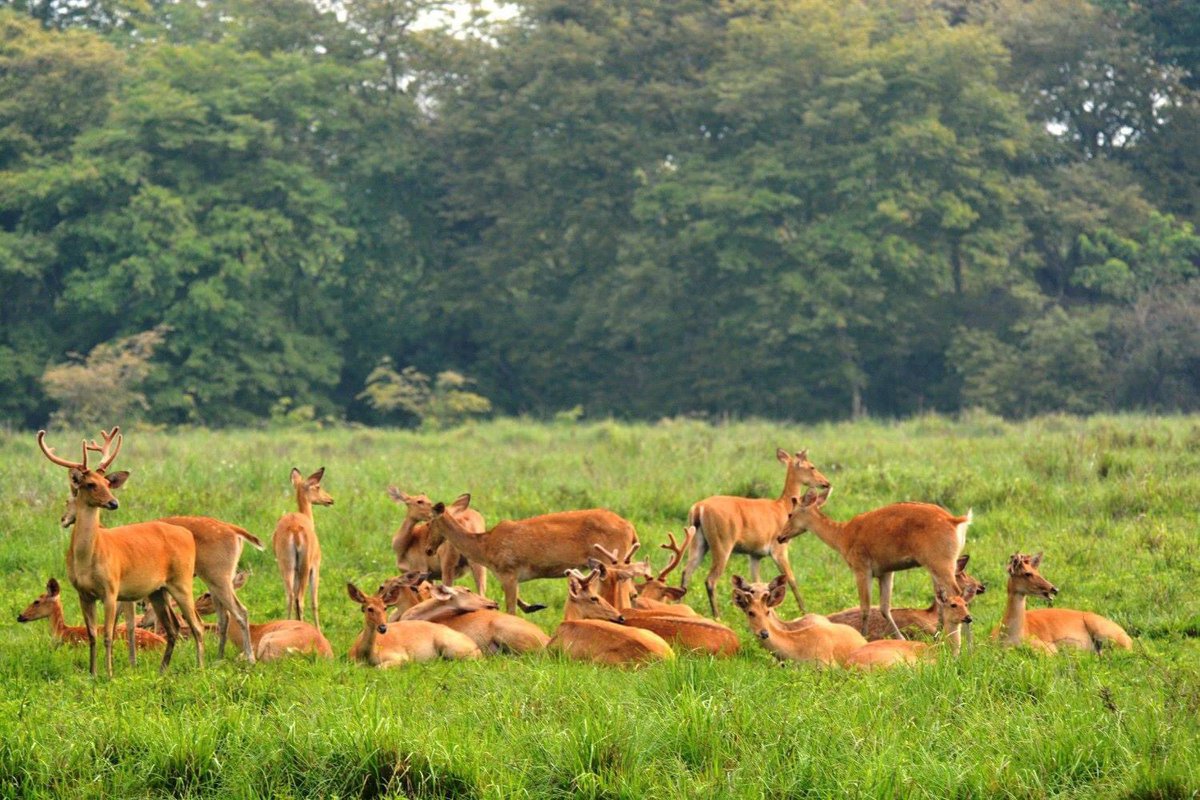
[780, 555]
[754, 563]
[863, 579]
[509, 582]
[162, 612]
[448, 559]
[110, 627]
[314, 582]
[131, 630]
[479, 573]
[228, 605]
[720, 557]
[885, 602]
[88, 605]
[183, 598]
[699, 548]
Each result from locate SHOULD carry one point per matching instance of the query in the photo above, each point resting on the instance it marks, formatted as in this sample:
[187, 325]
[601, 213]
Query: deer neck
[303, 503]
[781, 641]
[85, 533]
[828, 531]
[404, 534]
[1013, 624]
[365, 645]
[58, 622]
[468, 544]
[792, 487]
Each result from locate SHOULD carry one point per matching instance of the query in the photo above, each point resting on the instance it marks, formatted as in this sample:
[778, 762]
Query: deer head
[43, 605]
[417, 506]
[757, 601]
[954, 607]
[1024, 578]
[969, 584]
[584, 603]
[656, 588]
[802, 471]
[374, 607]
[805, 512]
[93, 487]
[310, 487]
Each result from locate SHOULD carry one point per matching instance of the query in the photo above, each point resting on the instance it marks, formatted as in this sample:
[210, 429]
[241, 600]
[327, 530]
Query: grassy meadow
[1113, 502]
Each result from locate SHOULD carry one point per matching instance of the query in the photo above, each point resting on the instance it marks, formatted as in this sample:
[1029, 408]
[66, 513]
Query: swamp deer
[414, 546]
[405, 591]
[654, 593]
[538, 547]
[386, 644]
[270, 641]
[591, 629]
[126, 563]
[477, 618]
[813, 639]
[1048, 629]
[48, 605]
[297, 550]
[878, 543]
[727, 525]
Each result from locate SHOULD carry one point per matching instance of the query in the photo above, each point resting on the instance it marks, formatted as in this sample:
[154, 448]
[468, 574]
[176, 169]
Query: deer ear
[462, 502]
[52, 587]
[76, 476]
[675, 592]
[439, 509]
[391, 594]
[940, 594]
[782, 455]
[316, 477]
[1036, 561]
[795, 502]
[739, 583]
[802, 455]
[777, 591]
[356, 595]
[239, 580]
[961, 564]
[117, 479]
[397, 495]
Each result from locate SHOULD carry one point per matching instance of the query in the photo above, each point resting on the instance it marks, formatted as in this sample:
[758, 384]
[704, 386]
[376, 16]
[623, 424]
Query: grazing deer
[127, 563]
[297, 551]
[878, 543]
[538, 547]
[386, 644]
[477, 618]
[48, 605]
[591, 629]
[415, 548]
[1048, 629]
[728, 525]
[816, 640]
[654, 593]
[270, 641]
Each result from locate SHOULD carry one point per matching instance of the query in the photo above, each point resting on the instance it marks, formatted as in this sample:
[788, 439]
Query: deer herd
[620, 611]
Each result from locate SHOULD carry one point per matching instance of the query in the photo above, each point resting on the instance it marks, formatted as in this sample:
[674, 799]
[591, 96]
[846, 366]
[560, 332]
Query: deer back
[609, 643]
[547, 545]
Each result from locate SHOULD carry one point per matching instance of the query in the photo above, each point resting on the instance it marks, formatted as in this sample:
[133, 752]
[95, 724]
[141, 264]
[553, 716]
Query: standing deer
[591, 629]
[539, 547]
[127, 563]
[297, 551]
[728, 525]
[386, 644]
[477, 618]
[48, 605]
[880, 542]
[415, 549]
[1047, 629]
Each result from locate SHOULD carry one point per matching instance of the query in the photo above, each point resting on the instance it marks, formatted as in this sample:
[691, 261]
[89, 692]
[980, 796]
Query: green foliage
[88, 391]
[444, 402]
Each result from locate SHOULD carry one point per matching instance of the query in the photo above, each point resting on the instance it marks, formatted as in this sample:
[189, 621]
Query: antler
[633, 549]
[610, 554]
[677, 549]
[105, 457]
[579, 576]
[62, 462]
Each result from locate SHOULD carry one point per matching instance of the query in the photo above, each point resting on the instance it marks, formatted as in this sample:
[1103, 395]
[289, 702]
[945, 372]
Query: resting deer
[654, 593]
[48, 605]
[477, 618]
[386, 644]
[405, 591]
[728, 525]
[538, 547]
[297, 551]
[817, 640]
[591, 629]
[415, 549]
[270, 641]
[1048, 629]
[127, 563]
[878, 543]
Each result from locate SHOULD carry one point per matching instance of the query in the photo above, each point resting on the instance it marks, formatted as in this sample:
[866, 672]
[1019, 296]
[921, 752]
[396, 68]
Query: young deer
[591, 629]
[297, 551]
[386, 644]
[270, 641]
[477, 618]
[415, 548]
[48, 605]
[880, 542]
[538, 547]
[728, 525]
[815, 639]
[1048, 629]
[123, 564]
[654, 593]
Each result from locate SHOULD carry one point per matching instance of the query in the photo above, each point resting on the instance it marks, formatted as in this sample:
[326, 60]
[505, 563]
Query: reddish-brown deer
[878, 543]
[387, 644]
[270, 641]
[654, 593]
[415, 549]
[127, 563]
[727, 525]
[297, 550]
[477, 618]
[817, 640]
[1048, 629]
[591, 629]
[48, 605]
[539, 547]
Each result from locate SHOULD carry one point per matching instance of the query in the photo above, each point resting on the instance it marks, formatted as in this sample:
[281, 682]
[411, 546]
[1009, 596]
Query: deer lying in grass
[477, 618]
[591, 629]
[297, 550]
[539, 547]
[654, 593]
[48, 605]
[692, 632]
[386, 644]
[878, 543]
[1048, 629]
[405, 591]
[270, 641]
[728, 525]
[415, 549]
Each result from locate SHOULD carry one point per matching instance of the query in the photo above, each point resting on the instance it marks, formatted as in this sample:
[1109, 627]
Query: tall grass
[1112, 501]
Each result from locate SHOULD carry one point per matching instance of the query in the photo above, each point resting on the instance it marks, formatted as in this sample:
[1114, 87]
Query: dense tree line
[789, 208]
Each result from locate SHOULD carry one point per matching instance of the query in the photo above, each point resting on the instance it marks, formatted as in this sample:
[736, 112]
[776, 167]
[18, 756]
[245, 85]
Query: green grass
[1112, 501]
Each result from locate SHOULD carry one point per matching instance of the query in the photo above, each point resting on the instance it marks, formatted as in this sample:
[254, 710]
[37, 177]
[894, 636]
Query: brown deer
[415, 549]
[1048, 629]
[591, 629]
[297, 551]
[477, 618]
[654, 593]
[727, 525]
[405, 591]
[816, 640]
[878, 543]
[538, 547]
[270, 641]
[123, 564]
[48, 605]
[386, 644]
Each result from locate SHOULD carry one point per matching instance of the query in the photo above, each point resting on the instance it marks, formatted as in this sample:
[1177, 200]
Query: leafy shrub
[443, 402]
[102, 387]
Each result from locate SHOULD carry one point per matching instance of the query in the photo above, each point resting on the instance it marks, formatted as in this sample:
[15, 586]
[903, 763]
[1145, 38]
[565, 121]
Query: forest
[396, 212]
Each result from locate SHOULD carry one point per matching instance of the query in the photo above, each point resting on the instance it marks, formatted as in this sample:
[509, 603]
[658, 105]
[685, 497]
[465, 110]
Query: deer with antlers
[1048, 629]
[297, 550]
[592, 629]
[878, 543]
[388, 644]
[126, 563]
[477, 618]
[654, 593]
[48, 605]
[415, 549]
[539, 547]
[727, 525]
